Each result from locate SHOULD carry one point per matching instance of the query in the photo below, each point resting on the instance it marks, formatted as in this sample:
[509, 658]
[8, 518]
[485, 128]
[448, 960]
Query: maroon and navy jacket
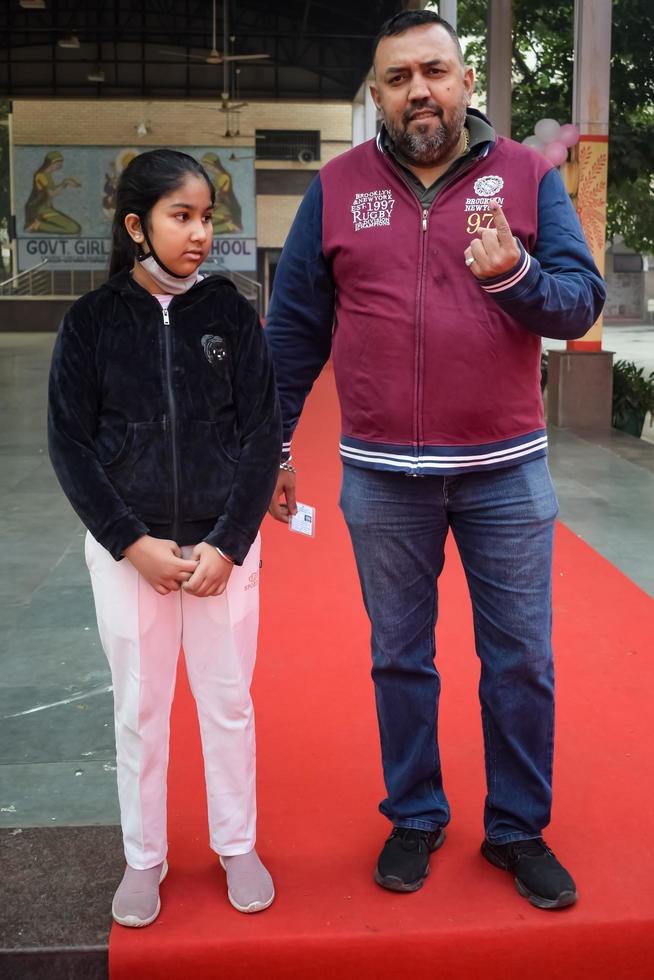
[437, 371]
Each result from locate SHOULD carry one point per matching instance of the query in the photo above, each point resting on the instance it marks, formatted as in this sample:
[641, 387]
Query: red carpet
[319, 785]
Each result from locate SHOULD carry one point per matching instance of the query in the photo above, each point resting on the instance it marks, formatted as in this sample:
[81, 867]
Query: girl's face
[180, 226]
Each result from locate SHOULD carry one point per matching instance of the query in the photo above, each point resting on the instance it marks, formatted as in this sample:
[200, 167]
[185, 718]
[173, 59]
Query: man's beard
[426, 149]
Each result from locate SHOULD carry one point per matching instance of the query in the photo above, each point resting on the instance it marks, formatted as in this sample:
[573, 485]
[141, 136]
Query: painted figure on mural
[40, 213]
[5, 209]
[227, 214]
[112, 174]
[109, 191]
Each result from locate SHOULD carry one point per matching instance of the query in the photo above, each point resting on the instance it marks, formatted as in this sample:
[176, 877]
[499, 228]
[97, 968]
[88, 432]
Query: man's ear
[469, 82]
[374, 94]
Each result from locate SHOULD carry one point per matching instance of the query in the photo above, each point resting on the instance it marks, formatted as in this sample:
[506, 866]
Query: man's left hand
[496, 251]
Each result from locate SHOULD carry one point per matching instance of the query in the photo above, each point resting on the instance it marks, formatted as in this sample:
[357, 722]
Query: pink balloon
[569, 134]
[556, 153]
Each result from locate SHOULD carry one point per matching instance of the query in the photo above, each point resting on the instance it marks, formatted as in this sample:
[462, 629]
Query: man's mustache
[413, 110]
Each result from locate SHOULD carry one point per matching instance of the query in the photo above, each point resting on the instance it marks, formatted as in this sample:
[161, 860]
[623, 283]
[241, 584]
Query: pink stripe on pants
[141, 633]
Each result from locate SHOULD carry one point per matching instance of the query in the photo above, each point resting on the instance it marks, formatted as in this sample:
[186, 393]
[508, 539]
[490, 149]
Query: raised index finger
[504, 232]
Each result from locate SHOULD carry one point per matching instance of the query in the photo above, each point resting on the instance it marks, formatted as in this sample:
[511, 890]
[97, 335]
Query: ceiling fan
[216, 57]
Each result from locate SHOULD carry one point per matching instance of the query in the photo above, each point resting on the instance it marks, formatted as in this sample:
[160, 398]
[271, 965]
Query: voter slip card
[304, 522]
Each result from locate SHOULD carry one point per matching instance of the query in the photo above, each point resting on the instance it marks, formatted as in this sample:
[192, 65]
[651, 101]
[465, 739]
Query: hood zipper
[172, 409]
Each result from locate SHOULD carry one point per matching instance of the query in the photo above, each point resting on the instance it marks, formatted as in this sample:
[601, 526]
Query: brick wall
[61, 122]
[274, 213]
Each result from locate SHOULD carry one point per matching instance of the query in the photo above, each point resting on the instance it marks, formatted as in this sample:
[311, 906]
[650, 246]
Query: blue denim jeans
[502, 522]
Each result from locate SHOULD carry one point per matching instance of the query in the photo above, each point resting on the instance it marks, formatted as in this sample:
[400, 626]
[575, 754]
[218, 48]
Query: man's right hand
[160, 563]
[283, 503]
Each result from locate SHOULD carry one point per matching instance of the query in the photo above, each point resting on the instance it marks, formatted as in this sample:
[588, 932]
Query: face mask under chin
[168, 283]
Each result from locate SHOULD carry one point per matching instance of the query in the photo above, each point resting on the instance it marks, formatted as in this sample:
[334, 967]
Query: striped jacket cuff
[508, 280]
[286, 450]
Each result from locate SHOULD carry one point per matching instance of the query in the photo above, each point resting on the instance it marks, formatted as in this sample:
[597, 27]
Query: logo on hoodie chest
[372, 209]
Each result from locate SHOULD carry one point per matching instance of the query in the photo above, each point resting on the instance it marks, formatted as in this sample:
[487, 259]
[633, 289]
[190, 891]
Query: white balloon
[533, 142]
[547, 130]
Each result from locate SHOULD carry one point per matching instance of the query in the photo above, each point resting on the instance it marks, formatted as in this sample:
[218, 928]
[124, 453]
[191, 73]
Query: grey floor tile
[52, 794]
[608, 499]
[60, 606]
[66, 656]
[53, 724]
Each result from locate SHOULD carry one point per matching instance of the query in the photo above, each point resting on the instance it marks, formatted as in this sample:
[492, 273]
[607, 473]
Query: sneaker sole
[562, 901]
[132, 921]
[253, 906]
[394, 884]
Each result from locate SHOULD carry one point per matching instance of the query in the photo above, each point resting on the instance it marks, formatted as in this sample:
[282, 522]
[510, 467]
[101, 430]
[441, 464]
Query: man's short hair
[407, 19]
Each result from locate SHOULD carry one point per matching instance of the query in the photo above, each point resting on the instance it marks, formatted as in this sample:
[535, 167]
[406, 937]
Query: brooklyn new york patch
[372, 209]
[485, 188]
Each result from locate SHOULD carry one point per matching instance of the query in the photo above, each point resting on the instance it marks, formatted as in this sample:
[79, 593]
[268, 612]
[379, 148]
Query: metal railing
[250, 288]
[40, 282]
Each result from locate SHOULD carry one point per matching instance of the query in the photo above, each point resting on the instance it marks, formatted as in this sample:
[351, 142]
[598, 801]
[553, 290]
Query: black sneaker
[538, 875]
[404, 861]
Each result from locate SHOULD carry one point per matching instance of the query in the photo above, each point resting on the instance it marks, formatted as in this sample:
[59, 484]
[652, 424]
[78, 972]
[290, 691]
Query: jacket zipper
[172, 408]
[420, 338]
[420, 327]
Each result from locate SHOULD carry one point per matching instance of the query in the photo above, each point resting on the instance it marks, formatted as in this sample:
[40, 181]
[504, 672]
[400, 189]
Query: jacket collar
[123, 282]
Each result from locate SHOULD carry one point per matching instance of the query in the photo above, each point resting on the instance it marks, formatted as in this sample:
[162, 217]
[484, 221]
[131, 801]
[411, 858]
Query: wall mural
[66, 197]
[5, 205]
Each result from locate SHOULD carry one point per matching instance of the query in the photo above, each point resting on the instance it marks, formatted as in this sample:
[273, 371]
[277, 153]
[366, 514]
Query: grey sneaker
[249, 885]
[136, 902]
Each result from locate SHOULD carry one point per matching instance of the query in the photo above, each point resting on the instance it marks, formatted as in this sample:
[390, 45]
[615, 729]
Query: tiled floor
[59, 843]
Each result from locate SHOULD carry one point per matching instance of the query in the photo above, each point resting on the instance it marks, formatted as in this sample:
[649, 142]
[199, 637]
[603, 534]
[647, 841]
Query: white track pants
[141, 632]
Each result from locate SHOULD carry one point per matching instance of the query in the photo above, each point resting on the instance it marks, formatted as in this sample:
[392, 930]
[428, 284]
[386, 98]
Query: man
[430, 262]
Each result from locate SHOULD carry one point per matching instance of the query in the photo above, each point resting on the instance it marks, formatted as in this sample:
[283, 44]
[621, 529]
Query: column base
[580, 389]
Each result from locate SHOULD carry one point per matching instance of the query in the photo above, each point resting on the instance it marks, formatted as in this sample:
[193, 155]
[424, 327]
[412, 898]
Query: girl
[164, 432]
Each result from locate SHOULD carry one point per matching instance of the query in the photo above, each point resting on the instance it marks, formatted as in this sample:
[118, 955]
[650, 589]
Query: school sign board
[65, 200]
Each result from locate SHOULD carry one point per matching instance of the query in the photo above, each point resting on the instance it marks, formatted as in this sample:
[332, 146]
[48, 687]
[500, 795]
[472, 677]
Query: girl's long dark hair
[146, 178]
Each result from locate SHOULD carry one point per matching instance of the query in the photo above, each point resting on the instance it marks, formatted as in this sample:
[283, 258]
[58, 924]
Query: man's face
[423, 91]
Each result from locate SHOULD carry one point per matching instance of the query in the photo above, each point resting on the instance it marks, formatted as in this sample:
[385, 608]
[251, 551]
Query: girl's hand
[160, 563]
[212, 572]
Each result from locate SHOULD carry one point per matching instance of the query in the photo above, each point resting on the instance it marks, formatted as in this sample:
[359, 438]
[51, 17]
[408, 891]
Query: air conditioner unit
[305, 155]
[32, 4]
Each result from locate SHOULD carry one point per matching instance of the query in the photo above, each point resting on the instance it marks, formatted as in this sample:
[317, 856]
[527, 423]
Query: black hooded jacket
[165, 422]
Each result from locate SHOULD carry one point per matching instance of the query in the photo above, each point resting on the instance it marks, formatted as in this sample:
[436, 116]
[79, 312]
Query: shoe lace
[536, 847]
[412, 840]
